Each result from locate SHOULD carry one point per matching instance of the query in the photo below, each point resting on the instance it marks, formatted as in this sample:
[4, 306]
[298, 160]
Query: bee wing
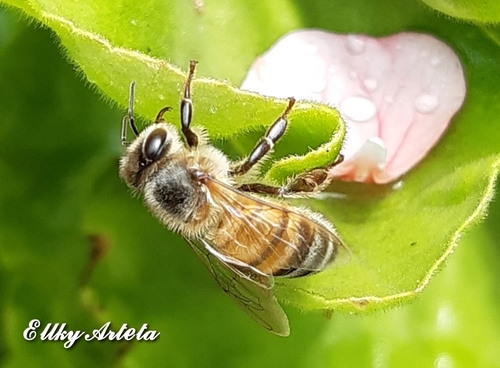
[270, 234]
[240, 268]
[250, 291]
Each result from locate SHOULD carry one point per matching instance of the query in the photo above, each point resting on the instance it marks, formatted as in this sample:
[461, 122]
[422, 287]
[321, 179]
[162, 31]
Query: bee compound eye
[154, 145]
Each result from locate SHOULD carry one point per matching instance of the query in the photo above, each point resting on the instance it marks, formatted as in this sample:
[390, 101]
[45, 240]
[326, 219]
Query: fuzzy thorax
[169, 186]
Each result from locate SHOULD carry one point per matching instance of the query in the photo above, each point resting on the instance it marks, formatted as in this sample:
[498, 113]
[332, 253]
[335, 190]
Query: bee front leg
[187, 109]
[128, 120]
[306, 184]
[274, 132]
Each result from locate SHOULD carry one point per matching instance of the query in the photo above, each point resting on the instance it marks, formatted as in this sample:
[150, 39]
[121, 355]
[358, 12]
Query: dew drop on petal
[358, 109]
[400, 88]
[425, 103]
[435, 61]
[355, 45]
[370, 84]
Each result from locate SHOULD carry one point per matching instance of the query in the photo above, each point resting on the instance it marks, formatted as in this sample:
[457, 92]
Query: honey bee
[243, 236]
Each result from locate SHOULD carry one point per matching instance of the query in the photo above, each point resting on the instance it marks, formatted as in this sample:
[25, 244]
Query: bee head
[151, 148]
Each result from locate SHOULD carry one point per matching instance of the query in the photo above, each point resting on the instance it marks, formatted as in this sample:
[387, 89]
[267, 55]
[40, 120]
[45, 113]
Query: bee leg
[274, 132]
[312, 181]
[129, 118]
[307, 183]
[187, 109]
[261, 189]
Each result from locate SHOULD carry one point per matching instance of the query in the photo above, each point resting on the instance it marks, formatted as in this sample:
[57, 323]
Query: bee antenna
[129, 118]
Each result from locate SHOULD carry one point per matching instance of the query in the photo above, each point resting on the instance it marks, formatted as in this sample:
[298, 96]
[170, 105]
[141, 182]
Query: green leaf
[96, 44]
[369, 279]
[48, 171]
[455, 323]
[403, 241]
[472, 10]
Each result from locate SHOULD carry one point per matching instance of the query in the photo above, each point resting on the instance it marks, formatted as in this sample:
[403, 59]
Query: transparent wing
[251, 292]
[240, 268]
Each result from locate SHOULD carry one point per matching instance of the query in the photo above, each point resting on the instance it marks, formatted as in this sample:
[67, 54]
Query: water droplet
[425, 103]
[358, 109]
[161, 97]
[355, 45]
[133, 22]
[445, 319]
[370, 84]
[353, 75]
[435, 61]
[389, 99]
[444, 361]
[398, 185]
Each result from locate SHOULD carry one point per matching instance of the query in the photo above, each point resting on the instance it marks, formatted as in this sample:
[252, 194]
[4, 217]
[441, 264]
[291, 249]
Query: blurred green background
[60, 198]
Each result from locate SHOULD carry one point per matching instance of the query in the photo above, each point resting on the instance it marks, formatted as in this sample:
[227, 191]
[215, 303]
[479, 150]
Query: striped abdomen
[274, 239]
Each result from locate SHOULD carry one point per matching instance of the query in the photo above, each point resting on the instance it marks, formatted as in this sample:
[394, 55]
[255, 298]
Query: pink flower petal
[397, 94]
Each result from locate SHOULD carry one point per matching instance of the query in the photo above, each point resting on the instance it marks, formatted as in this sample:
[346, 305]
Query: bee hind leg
[266, 143]
[306, 184]
[312, 181]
